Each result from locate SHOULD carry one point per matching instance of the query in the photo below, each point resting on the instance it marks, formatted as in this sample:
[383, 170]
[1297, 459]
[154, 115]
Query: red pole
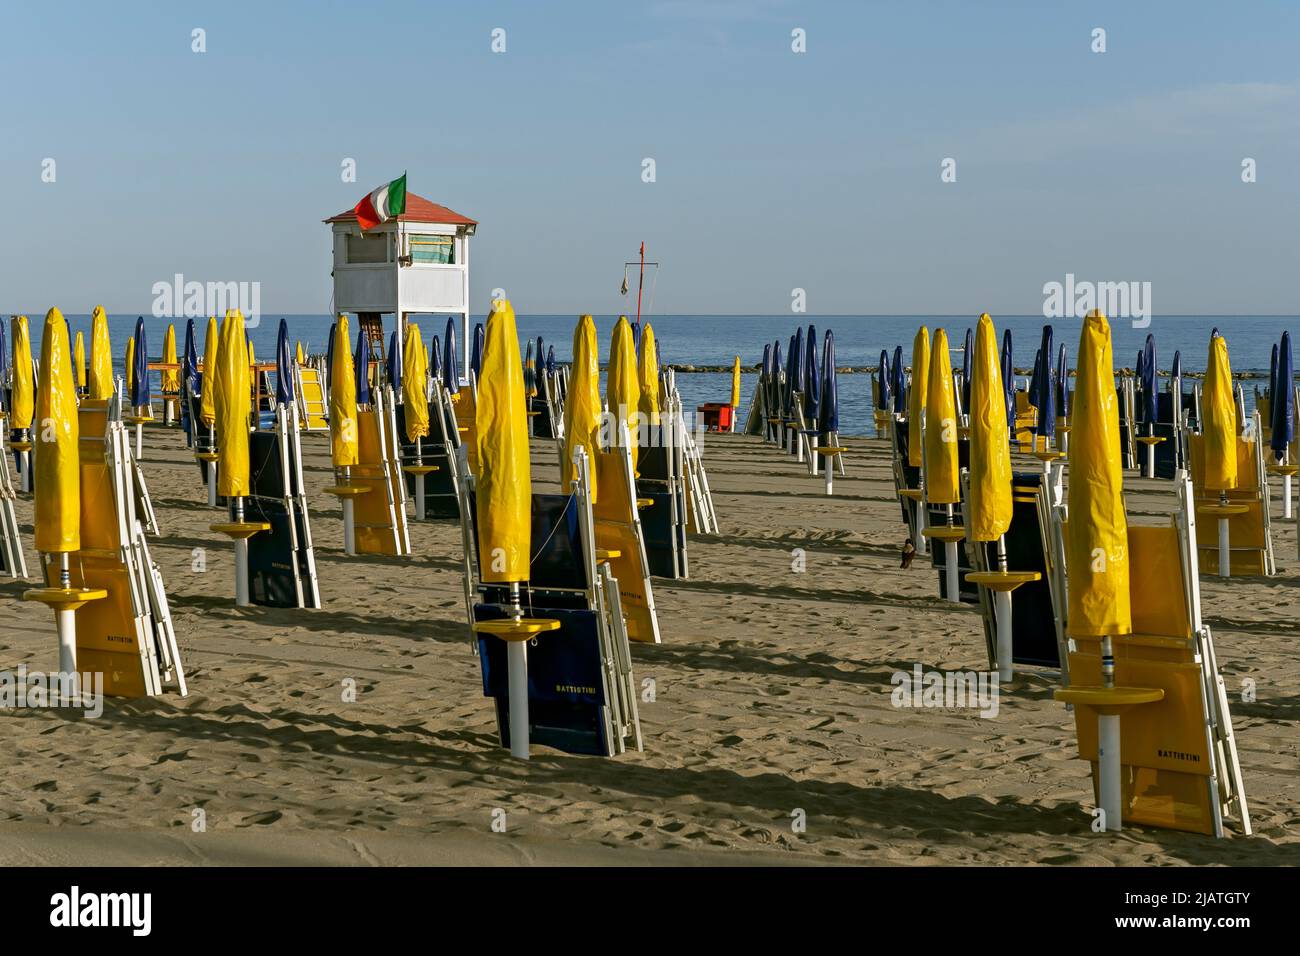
[640, 284]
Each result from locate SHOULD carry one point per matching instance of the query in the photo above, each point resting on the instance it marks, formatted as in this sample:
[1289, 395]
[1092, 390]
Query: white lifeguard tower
[416, 264]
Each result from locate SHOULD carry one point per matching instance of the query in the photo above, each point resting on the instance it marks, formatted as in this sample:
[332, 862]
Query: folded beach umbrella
[812, 379]
[208, 395]
[329, 354]
[988, 513]
[1062, 384]
[636, 335]
[916, 403]
[647, 375]
[1283, 401]
[283, 367]
[530, 379]
[171, 378]
[450, 367]
[128, 367]
[78, 359]
[1219, 411]
[67, 327]
[795, 380]
[966, 359]
[24, 388]
[774, 407]
[884, 382]
[1272, 371]
[942, 471]
[435, 358]
[1009, 378]
[900, 383]
[504, 487]
[1097, 543]
[765, 365]
[828, 406]
[101, 356]
[1032, 392]
[298, 354]
[4, 369]
[582, 408]
[550, 360]
[392, 367]
[233, 399]
[189, 360]
[1176, 378]
[140, 371]
[57, 488]
[1147, 390]
[361, 367]
[1045, 400]
[735, 383]
[476, 353]
[539, 360]
[343, 399]
[622, 389]
[415, 376]
[248, 347]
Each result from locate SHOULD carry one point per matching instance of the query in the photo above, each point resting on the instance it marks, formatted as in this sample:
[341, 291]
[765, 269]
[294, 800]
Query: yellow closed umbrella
[415, 382]
[1097, 545]
[582, 411]
[171, 377]
[128, 369]
[501, 429]
[23, 401]
[735, 389]
[622, 388]
[299, 355]
[232, 407]
[343, 400]
[252, 356]
[79, 360]
[101, 357]
[58, 467]
[208, 392]
[916, 395]
[942, 472]
[647, 372]
[988, 513]
[1219, 410]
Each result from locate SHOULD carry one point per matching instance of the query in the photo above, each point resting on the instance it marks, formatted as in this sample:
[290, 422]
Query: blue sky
[775, 170]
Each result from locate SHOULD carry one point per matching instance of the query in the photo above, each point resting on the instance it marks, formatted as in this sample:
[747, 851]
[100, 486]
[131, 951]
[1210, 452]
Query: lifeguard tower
[415, 264]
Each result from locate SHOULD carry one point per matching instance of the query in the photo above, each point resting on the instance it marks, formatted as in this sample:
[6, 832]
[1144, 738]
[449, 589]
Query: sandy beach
[771, 696]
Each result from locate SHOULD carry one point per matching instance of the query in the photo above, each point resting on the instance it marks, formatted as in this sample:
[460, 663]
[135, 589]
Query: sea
[715, 340]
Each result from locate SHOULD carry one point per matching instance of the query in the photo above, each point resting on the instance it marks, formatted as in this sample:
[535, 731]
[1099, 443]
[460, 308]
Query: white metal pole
[139, 438]
[24, 471]
[1225, 557]
[950, 570]
[65, 624]
[1108, 770]
[241, 560]
[1002, 612]
[517, 661]
[1286, 496]
[830, 474]
[1151, 460]
[419, 481]
[212, 469]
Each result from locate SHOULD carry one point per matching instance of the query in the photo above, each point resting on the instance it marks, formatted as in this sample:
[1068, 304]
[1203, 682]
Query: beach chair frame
[11, 541]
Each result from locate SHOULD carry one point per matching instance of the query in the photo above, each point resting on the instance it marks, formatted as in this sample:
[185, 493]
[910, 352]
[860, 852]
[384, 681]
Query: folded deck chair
[282, 561]
[309, 391]
[618, 533]
[1249, 534]
[13, 560]
[379, 513]
[1179, 754]
[1037, 607]
[581, 693]
[660, 487]
[1171, 454]
[127, 636]
[907, 485]
[439, 449]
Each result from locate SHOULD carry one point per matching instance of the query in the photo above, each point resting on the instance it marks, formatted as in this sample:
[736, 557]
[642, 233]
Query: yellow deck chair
[1248, 533]
[465, 405]
[618, 532]
[380, 512]
[1179, 755]
[312, 407]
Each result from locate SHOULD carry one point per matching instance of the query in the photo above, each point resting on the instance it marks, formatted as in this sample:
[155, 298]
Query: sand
[772, 696]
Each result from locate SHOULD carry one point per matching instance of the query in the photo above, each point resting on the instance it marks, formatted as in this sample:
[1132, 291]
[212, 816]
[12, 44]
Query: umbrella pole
[65, 622]
[24, 471]
[349, 525]
[830, 473]
[241, 559]
[1108, 765]
[517, 668]
[1225, 557]
[1151, 453]
[419, 482]
[139, 432]
[1002, 615]
[212, 469]
[949, 560]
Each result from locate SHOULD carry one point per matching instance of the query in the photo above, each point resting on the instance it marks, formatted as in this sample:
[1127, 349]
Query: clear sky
[774, 169]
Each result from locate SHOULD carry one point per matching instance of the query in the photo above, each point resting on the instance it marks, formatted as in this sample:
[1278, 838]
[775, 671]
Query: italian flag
[385, 203]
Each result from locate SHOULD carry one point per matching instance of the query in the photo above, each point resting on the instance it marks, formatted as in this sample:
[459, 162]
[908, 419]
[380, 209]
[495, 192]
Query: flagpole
[640, 284]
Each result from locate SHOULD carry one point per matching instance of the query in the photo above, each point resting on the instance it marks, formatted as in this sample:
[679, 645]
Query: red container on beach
[716, 415]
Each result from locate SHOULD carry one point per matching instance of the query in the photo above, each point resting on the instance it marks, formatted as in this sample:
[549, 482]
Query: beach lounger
[13, 560]
[281, 561]
[907, 485]
[379, 512]
[582, 697]
[437, 449]
[1179, 753]
[1249, 533]
[313, 403]
[127, 636]
[618, 533]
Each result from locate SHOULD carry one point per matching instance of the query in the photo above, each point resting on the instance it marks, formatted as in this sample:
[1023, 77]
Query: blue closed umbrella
[362, 362]
[450, 368]
[812, 378]
[1272, 371]
[1033, 378]
[140, 368]
[1044, 398]
[883, 383]
[1283, 401]
[189, 360]
[4, 369]
[1009, 379]
[776, 379]
[529, 381]
[435, 358]
[1062, 384]
[828, 409]
[392, 365]
[476, 352]
[283, 366]
[794, 380]
[900, 386]
[1147, 378]
[967, 348]
[550, 360]
[329, 355]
